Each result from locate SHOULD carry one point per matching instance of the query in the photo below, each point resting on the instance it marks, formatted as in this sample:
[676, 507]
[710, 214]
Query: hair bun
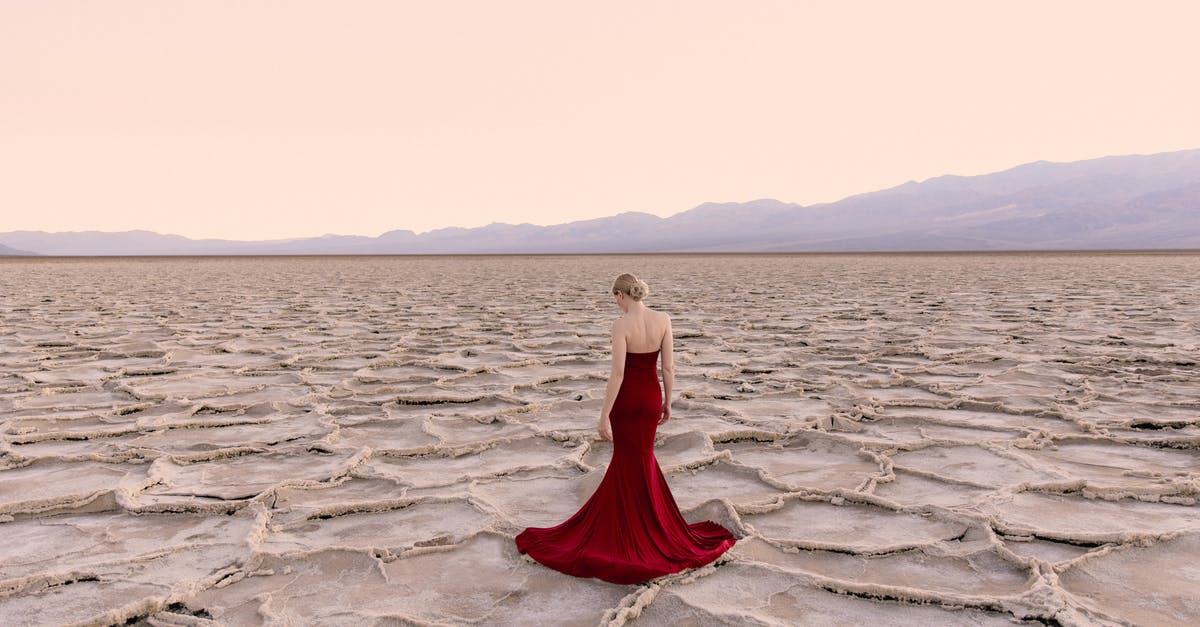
[631, 285]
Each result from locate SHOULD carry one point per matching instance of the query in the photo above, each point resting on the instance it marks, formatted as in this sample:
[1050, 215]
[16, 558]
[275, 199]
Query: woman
[630, 530]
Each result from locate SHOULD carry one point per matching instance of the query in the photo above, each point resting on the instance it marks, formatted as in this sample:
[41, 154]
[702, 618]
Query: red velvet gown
[630, 530]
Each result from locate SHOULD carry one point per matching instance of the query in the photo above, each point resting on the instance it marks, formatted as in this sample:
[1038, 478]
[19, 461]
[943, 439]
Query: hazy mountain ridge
[7, 251]
[1133, 201]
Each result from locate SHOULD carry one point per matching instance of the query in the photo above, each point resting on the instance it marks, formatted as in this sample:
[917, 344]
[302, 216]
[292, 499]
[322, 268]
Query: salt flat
[895, 439]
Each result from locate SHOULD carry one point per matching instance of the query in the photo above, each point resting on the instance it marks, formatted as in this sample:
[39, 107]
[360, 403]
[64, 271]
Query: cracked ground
[901, 439]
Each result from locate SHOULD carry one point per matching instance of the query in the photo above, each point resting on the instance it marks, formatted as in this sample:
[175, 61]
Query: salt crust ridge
[981, 439]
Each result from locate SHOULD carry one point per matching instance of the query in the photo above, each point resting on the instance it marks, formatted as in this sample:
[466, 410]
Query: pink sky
[256, 120]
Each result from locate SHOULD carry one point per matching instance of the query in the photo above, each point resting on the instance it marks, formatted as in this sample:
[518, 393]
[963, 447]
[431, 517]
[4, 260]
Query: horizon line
[999, 251]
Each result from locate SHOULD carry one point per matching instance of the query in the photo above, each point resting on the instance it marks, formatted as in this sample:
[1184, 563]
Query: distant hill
[1122, 202]
[6, 251]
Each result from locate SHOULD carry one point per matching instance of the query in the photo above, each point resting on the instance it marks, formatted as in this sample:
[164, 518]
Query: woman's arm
[668, 372]
[614, 379]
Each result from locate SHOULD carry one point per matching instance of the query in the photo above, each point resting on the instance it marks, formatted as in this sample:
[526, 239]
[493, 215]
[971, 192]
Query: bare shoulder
[663, 322]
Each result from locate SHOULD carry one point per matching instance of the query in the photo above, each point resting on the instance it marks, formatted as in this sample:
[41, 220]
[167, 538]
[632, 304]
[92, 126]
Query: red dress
[630, 530]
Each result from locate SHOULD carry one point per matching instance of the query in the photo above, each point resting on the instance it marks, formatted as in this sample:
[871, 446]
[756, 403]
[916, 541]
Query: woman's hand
[605, 429]
[666, 415]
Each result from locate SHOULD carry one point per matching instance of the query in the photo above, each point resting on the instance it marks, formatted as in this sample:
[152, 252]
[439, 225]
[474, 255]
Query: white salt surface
[895, 439]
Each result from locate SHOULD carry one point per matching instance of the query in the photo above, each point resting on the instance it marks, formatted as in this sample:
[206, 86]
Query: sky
[251, 119]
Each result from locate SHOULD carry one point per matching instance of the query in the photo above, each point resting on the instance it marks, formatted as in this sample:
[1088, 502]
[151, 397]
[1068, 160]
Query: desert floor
[895, 439]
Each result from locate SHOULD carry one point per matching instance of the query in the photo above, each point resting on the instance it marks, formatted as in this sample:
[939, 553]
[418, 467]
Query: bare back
[645, 331]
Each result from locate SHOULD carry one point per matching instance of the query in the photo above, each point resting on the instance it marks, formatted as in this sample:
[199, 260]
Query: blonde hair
[631, 286]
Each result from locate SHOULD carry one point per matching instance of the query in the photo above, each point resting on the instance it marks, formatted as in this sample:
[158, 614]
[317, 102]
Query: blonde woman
[630, 530]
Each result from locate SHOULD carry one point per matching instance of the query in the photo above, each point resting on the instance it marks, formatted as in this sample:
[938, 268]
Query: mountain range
[1118, 202]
